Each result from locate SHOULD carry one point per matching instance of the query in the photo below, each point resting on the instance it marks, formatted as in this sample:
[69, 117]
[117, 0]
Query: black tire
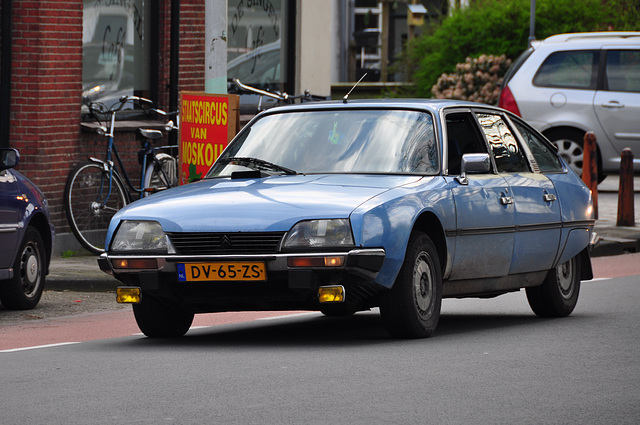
[24, 290]
[163, 174]
[412, 306]
[160, 320]
[558, 294]
[84, 193]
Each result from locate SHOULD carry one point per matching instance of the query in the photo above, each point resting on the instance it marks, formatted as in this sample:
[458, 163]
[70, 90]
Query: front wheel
[558, 294]
[23, 291]
[91, 200]
[160, 320]
[412, 307]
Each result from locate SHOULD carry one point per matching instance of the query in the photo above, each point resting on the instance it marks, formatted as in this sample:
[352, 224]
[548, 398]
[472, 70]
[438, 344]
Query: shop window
[257, 42]
[116, 49]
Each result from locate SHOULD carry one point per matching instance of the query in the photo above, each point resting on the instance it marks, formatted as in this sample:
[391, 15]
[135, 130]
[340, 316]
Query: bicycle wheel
[162, 174]
[88, 214]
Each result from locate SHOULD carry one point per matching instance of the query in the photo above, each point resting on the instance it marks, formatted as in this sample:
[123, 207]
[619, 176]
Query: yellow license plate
[222, 271]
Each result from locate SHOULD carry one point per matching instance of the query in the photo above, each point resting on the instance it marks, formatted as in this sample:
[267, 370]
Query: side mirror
[473, 163]
[9, 158]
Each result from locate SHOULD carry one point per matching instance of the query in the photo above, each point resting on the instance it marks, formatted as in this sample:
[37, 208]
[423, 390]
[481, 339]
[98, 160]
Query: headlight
[320, 233]
[139, 236]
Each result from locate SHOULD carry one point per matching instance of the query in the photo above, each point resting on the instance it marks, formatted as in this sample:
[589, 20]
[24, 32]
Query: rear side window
[544, 154]
[504, 147]
[623, 70]
[571, 69]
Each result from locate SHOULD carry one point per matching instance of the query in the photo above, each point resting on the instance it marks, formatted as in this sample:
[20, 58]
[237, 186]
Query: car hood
[267, 204]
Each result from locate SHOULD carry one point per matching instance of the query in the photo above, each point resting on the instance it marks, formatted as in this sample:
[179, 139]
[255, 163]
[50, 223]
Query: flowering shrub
[476, 80]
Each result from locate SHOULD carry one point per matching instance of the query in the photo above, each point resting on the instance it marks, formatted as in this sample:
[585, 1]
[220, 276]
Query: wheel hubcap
[30, 271]
[423, 282]
[572, 153]
[565, 274]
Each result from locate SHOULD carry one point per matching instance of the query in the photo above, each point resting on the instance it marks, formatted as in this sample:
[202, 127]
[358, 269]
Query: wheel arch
[40, 223]
[429, 224]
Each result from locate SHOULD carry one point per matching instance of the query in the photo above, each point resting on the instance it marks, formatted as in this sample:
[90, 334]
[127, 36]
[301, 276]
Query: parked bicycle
[280, 98]
[96, 190]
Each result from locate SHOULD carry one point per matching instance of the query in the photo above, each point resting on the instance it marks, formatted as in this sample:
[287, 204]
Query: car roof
[592, 38]
[432, 105]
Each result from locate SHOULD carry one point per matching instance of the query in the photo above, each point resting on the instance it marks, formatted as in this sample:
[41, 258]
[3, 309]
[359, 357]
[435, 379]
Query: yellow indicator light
[128, 294]
[331, 294]
[334, 261]
[337, 261]
[135, 263]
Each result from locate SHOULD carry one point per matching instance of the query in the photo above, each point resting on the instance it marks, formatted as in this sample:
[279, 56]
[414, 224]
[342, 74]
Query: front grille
[226, 243]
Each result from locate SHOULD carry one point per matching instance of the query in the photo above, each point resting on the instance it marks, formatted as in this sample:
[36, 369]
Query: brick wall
[46, 89]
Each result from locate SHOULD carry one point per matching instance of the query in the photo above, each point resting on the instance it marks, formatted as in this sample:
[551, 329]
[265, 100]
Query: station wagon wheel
[412, 306]
[157, 319]
[570, 147]
[558, 294]
[24, 290]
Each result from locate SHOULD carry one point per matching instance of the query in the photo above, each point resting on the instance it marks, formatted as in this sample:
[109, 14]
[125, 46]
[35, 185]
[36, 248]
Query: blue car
[26, 236]
[343, 207]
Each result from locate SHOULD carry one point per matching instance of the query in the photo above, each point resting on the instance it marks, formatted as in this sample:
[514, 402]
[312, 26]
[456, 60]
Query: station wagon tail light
[508, 102]
[331, 294]
[128, 294]
[328, 261]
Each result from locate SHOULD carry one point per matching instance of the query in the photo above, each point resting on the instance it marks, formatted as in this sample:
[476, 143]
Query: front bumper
[286, 287]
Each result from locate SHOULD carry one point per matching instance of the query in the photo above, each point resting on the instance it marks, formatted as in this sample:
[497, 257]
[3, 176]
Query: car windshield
[334, 141]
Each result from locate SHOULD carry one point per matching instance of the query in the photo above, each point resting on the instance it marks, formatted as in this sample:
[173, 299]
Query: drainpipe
[5, 75]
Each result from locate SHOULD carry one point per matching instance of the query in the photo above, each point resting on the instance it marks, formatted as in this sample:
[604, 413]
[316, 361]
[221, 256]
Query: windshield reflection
[337, 141]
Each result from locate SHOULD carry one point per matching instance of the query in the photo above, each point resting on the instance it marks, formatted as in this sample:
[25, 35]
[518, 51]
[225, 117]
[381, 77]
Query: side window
[504, 147]
[462, 137]
[571, 70]
[623, 70]
[542, 151]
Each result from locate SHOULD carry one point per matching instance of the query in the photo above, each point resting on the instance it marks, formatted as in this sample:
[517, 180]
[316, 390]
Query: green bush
[501, 27]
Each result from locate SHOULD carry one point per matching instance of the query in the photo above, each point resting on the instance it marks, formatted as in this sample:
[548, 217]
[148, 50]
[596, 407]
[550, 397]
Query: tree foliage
[501, 27]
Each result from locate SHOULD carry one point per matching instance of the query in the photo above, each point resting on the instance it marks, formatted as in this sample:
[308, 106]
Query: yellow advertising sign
[207, 123]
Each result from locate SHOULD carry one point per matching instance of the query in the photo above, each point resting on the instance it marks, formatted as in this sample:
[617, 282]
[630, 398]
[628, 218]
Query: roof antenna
[346, 96]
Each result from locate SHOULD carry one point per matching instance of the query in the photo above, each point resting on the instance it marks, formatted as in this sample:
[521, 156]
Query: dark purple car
[26, 236]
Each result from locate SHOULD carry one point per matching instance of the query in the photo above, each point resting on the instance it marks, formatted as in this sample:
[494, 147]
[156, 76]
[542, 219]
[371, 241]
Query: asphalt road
[491, 361]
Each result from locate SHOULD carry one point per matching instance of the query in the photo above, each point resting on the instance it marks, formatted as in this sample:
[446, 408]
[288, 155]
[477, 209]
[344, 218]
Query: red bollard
[590, 168]
[626, 213]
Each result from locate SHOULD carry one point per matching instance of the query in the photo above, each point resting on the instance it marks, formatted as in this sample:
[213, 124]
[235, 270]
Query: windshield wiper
[257, 164]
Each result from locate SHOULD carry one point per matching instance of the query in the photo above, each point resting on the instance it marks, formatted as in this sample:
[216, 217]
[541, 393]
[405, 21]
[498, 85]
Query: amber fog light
[331, 294]
[128, 294]
[332, 261]
[135, 263]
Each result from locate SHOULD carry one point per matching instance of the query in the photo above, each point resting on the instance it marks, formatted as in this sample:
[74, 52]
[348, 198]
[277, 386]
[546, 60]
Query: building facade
[54, 53]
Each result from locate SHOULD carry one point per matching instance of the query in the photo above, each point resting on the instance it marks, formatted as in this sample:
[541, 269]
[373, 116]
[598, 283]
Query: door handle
[549, 197]
[506, 200]
[614, 104]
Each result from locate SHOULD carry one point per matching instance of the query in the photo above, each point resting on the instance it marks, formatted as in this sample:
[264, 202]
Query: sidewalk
[81, 272]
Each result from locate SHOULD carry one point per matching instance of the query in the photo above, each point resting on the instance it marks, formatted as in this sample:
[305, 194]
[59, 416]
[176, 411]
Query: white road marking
[13, 350]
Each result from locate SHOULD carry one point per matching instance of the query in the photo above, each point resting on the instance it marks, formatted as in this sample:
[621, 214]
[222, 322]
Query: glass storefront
[115, 49]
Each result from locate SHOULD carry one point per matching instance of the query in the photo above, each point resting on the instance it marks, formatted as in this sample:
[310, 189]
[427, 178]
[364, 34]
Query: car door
[8, 218]
[537, 211]
[617, 104]
[485, 222]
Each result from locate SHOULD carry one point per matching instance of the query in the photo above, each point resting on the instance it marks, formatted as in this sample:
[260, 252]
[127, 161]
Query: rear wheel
[90, 205]
[570, 144]
[23, 291]
[558, 294]
[157, 319]
[412, 307]
[163, 174]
